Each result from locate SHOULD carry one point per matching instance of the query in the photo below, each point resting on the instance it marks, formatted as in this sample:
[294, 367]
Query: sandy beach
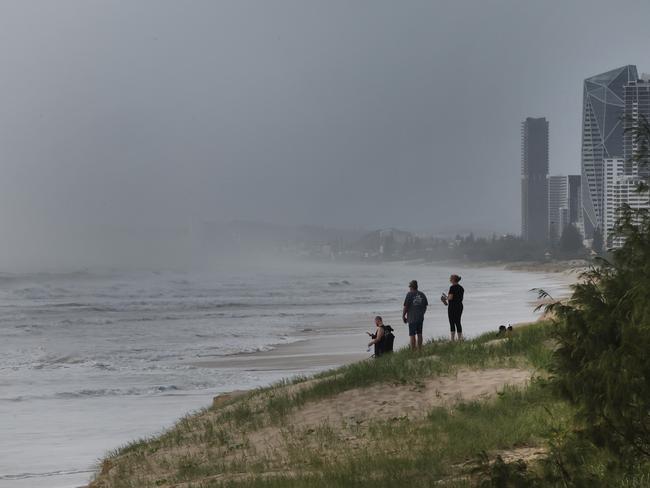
[324, 347]
[292, 358]
[334, 343]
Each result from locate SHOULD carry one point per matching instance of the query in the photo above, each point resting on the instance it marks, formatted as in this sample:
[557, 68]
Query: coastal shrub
[500, 474]
[603, 334]
[573, 461]
[603, 364]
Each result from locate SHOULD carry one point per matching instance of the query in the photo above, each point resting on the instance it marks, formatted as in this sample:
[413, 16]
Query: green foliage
[500, 474]
[438, 449]
[437, 357]
[441, 446]
[603, 365]
[573, 461]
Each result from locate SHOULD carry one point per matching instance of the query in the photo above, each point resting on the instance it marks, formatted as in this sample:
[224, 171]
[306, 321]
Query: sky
[119, 117]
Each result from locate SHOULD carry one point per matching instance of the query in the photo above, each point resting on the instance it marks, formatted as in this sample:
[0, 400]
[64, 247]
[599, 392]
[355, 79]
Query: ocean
[90, 360]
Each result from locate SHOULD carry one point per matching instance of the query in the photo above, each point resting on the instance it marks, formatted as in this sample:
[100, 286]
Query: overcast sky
[123, 114]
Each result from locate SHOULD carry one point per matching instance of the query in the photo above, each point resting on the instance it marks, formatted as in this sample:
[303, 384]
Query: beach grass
[446, 446]
[525, 348]
[255, 440]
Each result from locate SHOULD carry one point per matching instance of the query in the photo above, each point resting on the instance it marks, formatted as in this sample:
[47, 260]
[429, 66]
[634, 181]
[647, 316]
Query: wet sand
[332, 344]
[325, 347]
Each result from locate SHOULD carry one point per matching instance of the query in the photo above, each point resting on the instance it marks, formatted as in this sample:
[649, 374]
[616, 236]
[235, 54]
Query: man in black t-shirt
[415, 306]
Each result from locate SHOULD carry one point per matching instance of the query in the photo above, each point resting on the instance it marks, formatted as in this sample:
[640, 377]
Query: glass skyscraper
[602, 137]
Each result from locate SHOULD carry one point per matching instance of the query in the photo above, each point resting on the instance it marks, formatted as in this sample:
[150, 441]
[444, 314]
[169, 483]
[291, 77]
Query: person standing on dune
[415, 306]
[454, 302]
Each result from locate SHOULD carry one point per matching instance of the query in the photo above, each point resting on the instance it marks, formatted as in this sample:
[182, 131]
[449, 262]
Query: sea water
[91, 360]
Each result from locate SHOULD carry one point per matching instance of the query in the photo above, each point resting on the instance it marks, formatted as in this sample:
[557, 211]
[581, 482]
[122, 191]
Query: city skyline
[362, 115]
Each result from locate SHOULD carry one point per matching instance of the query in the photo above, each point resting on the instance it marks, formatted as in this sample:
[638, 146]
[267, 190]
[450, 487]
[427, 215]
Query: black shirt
[416, 305]
[457, 291]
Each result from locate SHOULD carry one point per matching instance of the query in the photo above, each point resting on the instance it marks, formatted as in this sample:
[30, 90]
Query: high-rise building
[636, 97]
[602, 137]
[558, 206]
[621, 188]
[575, 201]
[534, 184]
[564, 204]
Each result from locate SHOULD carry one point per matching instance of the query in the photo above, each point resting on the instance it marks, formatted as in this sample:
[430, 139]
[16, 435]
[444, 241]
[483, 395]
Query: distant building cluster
[614, 104]
[548, 203]
[564, 204]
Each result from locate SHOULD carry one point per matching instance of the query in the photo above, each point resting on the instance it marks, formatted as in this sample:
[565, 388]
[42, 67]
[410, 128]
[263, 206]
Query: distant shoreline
[566, 266]
[553, 266]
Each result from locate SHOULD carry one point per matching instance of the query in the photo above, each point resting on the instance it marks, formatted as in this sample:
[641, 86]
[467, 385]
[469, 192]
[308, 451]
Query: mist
[126, 123]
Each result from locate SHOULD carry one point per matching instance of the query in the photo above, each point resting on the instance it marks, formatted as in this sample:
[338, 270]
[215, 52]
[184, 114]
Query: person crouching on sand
[415, 306]
[454, 302]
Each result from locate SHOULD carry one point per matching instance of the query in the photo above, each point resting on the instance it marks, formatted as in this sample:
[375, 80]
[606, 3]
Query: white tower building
[621, 185]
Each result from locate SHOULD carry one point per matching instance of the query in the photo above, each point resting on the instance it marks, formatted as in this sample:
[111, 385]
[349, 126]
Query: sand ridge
[344, 417]
[414, 401]
[352, 410]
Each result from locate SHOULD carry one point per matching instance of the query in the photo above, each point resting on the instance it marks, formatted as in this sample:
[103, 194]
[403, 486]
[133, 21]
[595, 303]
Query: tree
[603, 334]
[603, 363]
[571, 241]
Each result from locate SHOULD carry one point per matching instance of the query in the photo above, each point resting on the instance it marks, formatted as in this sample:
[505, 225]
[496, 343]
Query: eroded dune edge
[441, 416]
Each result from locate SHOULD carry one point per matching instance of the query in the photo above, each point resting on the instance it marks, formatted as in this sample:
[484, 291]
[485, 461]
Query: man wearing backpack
[383, 338]
[415, 306]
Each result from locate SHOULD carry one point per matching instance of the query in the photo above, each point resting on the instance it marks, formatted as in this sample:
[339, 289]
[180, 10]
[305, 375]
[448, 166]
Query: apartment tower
[534, 183]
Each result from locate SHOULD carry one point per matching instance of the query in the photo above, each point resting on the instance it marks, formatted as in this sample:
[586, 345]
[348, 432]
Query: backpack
[388, 340]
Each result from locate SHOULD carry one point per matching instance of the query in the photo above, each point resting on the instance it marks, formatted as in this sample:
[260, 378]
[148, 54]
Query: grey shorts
[415, 328]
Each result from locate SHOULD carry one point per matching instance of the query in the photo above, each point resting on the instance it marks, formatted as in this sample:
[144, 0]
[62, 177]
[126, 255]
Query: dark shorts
[415, 328]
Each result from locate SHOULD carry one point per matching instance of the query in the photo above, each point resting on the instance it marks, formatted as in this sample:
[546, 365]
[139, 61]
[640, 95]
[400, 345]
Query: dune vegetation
[443, 415]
